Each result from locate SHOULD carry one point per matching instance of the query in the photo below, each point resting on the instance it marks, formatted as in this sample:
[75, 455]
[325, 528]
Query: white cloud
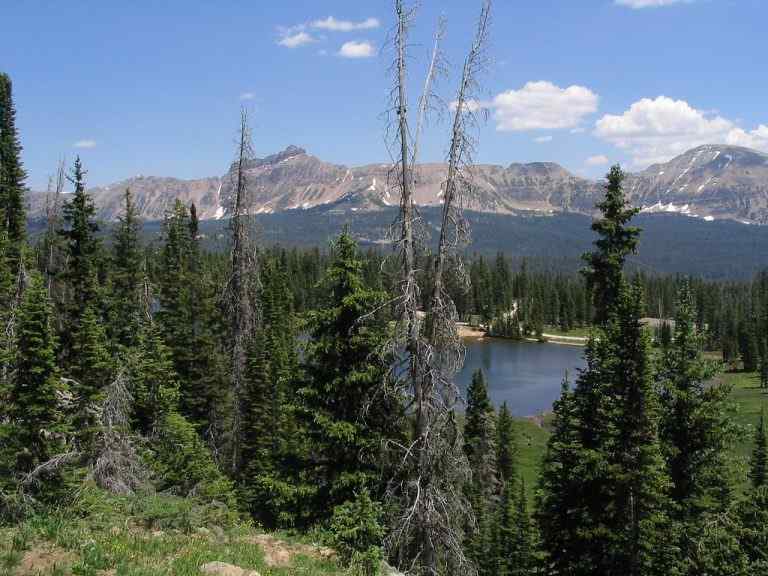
[542, 139]
[656, 130]
[599, 160]
[293, 39]
[85, 144]
[355, 49]
[637, 4]
[247, 96]
[542, 106]
[334, 25]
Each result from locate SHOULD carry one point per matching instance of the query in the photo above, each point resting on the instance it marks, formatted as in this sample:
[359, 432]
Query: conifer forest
[170, 405]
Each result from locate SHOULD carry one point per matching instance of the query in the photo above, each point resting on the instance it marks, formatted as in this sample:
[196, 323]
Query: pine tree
[270, 371]
[126, 278]
[758, 468]
[156, 388]
[81, 247]
[187, 318]
[506, 445]
[34, 413]
[12, 176]
[91, 368]
[636, 517]
[520, 549]
[559, 518]
[616, 241]
[694, 430]
[481, 450]
[341, 410]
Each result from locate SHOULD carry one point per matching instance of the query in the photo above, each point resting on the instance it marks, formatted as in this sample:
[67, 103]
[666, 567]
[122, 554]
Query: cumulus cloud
[290, 38]
[354, 49]
[334, 25]
[542, 106]
[656, 130]
[85, 144]
[542, 139]
[599, 160]
[637, 4]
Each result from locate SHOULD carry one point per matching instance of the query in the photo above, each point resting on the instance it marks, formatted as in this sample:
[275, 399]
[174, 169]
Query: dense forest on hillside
[312, 390]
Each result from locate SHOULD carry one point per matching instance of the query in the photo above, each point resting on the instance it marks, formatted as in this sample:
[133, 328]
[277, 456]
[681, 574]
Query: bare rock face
[712, 182]
[709, 181]
[224, 569]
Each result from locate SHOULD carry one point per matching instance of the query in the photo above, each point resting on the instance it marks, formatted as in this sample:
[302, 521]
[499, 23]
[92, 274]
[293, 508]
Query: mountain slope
[713, 182]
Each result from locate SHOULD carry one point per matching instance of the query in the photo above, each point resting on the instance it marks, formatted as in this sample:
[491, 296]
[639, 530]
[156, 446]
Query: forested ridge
[312, 391]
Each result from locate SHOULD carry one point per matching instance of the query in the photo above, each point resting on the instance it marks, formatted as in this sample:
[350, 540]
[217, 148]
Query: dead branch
[243, 284]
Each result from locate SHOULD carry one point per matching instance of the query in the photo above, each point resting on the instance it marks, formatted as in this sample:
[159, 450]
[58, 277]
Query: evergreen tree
[81, 247]
[36, 422]
[481, 450]
[341, 410]
[506, 445]
[520, 548]
[752, 530]
[91, 368]
[616, 241]
[638, 525]
[758, 469]
[12, 175]
[156, 388]
[187, 316]
[270, 371]
[126, 278]
[694, 430]
[559, 517]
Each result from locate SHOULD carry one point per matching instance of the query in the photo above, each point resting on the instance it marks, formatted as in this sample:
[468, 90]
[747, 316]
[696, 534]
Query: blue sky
[155, 87]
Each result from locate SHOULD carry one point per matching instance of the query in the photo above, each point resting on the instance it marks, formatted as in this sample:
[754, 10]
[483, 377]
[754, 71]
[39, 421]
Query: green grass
[581, 332]
[115, 537]
[748, 400]
[531, 446]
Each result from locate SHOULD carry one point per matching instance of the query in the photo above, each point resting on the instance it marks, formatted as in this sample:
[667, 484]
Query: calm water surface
[526, 375]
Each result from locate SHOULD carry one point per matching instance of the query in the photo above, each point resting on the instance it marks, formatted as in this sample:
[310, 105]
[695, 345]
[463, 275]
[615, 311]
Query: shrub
[356, 533]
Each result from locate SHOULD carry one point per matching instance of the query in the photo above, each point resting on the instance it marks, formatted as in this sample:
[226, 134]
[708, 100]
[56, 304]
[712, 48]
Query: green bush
[356, 533]
[184, 465]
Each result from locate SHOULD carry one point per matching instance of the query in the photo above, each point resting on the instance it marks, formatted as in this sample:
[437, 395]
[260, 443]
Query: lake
[525, 375]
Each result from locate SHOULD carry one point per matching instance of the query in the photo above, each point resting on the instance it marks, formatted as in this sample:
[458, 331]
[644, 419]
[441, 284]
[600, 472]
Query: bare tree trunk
[427, 537]
[53, 216]
[241, 286]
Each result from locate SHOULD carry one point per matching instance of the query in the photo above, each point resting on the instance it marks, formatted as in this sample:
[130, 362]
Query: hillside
[711, 182]
[716, 250]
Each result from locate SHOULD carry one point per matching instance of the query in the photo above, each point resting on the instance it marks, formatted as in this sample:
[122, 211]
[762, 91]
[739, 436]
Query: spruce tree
[91, 369]
[694, 431]
[481, 450]
[506, 445]
[560, 518]
[12, 177]
[36, 422]
[520, 549]
[188, 322]
[616, 241]
[341, 409]
[126, 277]
[155, 384]
[758, 466]
[266, 427]
[638, 480]
[81, 248]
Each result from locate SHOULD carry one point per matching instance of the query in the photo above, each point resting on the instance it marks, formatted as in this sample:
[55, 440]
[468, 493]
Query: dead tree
[53, 218]
[427, 534]
[242, 286]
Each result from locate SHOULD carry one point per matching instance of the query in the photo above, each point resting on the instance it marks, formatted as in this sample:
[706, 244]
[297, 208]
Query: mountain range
[711, 182]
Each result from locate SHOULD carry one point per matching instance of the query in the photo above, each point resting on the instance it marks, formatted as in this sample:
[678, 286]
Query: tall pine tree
[12, 177]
